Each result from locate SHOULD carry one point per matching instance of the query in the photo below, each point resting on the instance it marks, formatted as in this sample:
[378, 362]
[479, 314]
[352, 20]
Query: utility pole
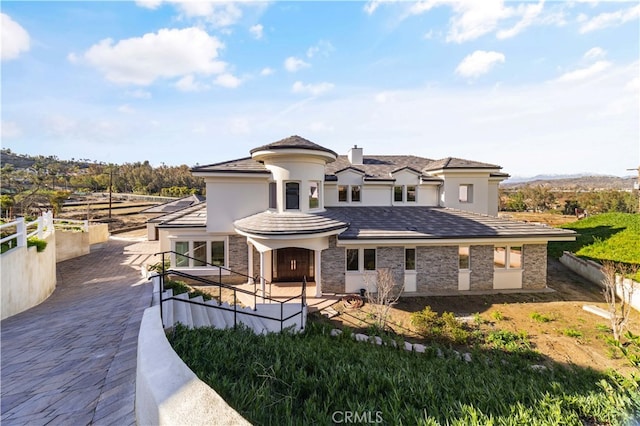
[110, 188]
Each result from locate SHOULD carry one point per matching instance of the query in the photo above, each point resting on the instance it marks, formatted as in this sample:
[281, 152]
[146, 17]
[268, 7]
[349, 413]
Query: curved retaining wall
[167, 391]
[28, 277]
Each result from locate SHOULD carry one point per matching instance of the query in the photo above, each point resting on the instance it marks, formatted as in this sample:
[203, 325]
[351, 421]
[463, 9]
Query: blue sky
[536, 87]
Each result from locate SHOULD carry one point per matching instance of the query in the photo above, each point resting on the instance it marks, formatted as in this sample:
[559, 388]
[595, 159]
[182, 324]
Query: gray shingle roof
[459, 163]
[271, 223]
[242, 165]
[433, 223]
[190, 217]
[379, 166]
[295, 142]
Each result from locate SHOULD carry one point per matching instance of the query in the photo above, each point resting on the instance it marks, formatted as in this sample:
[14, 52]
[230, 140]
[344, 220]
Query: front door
[293, 264]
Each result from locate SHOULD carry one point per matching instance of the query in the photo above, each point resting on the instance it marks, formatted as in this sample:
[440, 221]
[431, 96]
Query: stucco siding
[534, 275]
[481, 261]
[437, 268]
[333, 267]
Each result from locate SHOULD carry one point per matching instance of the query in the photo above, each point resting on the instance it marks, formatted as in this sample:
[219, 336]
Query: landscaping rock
[408, 346]
[419, 348]
[361, 337]
[439, 353]
[377, 340]
[466, 357]
[538, 367]
[335, 332]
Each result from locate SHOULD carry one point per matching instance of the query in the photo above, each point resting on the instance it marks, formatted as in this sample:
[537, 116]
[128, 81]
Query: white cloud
[139, 94]
[228, 80]
[15, 39]
[372, 5]
[633, 85]
[256, 31]
[478, 63]
[126, 109]
[165, 54]
[219, 14]
[189, 84]
[595, 53]
[10, 129]
[610, 19]
[530, 13]
[267, 71]
[311, 89]
[293, 64]
[584, 73]
[323, 48]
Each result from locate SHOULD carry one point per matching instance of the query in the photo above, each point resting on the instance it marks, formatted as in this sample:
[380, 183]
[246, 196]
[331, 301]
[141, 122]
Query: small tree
[386, 294]
[619, 304]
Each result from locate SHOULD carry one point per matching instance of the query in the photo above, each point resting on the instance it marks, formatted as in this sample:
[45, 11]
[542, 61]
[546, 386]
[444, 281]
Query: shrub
[497, 315]
[39, 243]
[572, 332]
[425, 320]
[180, 287]
[538, 317]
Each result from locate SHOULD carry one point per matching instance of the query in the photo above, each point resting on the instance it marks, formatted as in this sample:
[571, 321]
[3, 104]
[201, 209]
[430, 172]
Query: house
[295, 209]
[156, 213]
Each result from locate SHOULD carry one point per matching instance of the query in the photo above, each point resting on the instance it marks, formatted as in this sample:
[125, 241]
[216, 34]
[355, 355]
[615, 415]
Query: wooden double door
[293, 264]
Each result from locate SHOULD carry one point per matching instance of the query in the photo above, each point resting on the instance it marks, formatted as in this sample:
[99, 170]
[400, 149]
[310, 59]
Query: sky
[535, 87]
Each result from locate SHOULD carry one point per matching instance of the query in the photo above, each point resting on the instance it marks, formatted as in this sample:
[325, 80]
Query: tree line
[539, 198]
[28, 181]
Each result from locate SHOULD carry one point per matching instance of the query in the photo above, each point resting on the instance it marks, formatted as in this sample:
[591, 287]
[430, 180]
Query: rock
[456, 354]
[439, 353]
[419, 348]
[361, 337]
[538, 367]
[466, 357]
[377, 340]
[336, 332]
[408, 346]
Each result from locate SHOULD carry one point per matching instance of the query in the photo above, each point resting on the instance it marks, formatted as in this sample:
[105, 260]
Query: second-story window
[465, 193]
[273, 195]
[314, 195]
[292, 191]
[355, 193]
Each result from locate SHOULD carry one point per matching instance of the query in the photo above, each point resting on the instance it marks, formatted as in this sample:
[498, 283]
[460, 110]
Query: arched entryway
[292, 264]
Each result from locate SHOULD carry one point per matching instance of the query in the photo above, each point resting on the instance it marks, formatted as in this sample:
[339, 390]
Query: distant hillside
[574, 183]
[23, 161]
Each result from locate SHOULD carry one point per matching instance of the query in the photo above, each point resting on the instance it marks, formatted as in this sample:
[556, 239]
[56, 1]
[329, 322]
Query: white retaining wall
[592, 271]
[28, 277]
[167, 391]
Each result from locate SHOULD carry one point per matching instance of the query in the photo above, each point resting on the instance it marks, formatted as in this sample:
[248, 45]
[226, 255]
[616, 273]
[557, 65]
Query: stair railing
[235, 291]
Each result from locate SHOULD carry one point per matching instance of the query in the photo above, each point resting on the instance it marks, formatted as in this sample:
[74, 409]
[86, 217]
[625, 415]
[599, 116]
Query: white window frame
[361, 269]
[507, 263]
[285, 195]
[349, 192]
[468, 258]
[191, 239]
[405, 194]
[468, 193]
[415, 259]
[319, 195]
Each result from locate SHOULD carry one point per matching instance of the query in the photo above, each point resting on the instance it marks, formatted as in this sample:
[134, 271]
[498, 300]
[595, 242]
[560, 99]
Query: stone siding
[332, 268]
[393, 259]
[238, 260]
[437, 268]
[481, 260]
[534, 259]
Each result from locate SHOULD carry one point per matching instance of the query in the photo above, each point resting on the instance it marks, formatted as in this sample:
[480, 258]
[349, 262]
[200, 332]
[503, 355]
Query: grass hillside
[608, 236]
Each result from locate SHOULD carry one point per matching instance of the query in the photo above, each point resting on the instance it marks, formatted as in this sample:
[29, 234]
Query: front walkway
[72, 359]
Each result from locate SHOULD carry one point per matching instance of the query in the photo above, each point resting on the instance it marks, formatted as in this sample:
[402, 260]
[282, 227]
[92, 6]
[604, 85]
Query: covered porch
[291, 293]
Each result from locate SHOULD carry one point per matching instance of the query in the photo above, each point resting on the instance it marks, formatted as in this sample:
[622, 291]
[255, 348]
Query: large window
[507, 257]
[292, 190]
[200, 253]
[369, 259]
[411, 194]
[465, 193]
[353, 262]
[273, 195]
[314, 195]
[410, 259]
[359, 260]
[463, 257]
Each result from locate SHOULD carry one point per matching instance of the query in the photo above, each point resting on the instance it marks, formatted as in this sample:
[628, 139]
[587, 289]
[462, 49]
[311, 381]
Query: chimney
[355, 156]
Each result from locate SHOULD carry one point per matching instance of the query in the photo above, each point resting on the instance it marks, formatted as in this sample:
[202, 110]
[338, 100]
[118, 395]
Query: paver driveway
[72, 359]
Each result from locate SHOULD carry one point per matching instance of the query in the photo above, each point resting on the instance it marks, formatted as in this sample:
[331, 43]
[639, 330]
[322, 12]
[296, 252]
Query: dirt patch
[561, 331]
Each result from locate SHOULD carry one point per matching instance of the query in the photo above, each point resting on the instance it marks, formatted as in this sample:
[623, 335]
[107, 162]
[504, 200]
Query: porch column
[317, 273]
[262, 273]
[250, 262]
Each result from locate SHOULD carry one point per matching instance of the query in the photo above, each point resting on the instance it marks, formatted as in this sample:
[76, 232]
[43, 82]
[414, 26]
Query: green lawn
[608, 236]
[308, 378]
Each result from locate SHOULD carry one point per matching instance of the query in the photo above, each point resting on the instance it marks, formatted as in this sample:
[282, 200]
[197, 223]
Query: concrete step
[252, 322]
[167, 309]
[182, 311]
[199, 314]
[215, 315]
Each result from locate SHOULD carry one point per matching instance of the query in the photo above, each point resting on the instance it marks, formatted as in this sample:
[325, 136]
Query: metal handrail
[235, 290]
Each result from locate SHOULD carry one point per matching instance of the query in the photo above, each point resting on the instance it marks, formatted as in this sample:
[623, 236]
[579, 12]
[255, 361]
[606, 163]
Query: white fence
[23, 230]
